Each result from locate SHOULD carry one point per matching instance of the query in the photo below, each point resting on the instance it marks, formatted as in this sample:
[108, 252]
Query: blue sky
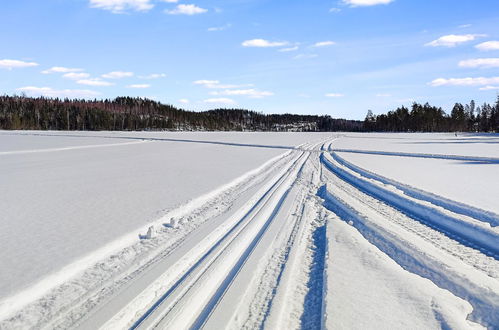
[312, 57]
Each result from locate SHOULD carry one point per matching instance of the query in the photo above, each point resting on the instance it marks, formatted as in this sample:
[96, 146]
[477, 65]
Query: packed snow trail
[307, 240]
[446, 203]
[492, 160]
[469, 233]
[418, 249]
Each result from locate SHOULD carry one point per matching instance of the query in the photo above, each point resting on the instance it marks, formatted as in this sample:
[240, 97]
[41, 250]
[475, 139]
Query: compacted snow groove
[422, 155]
[96, 285]
[471, 234]
[202, 308]
[451, 205]
[412, 253]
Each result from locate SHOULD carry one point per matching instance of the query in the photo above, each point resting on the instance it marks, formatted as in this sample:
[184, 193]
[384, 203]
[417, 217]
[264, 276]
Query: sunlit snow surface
[364, 229]
[64, 194]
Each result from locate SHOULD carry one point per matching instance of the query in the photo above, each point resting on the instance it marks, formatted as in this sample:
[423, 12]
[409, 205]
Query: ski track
[91, 146]
[468, 233]
[448, 204]
[256, 252]
[348, 199]
[485, 160]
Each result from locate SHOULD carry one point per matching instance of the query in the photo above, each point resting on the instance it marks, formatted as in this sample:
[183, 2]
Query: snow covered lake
[246, 223]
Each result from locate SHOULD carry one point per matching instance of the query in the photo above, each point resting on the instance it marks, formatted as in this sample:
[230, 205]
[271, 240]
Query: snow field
[313, 238]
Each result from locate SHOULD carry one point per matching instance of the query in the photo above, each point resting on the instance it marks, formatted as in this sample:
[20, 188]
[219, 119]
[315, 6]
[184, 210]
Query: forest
[427, 118]
[127, 113]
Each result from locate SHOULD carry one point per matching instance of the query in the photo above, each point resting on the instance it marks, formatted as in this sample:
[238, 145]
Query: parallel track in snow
[466, 232]
[196, 291]
[433, 252]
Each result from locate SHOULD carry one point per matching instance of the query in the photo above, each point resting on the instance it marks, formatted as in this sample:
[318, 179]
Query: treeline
[127, 113]
[427, 118]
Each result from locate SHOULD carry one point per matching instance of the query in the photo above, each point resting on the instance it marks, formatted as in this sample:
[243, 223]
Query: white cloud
[334, 95]
[121, 6]
[253, 93]
[216, 84]
[262, 43]
[221, 100]
[480, 63]
[50, 92]
[383, 95]
[464, 26]
[117, 75]
[153, 76]
[453, 40]
[170, 1]
[138, 86]
[334, 10]
[184, 101]
[478, 81]
[61, 69]
[219, 28]
[304, 56]
[204, 82]
[489, 88]
[364, 3]
[289, 49]
[186, 10]
[15, 64]
[324, 43]
[94, 82]
[488, 45]
[76, 75]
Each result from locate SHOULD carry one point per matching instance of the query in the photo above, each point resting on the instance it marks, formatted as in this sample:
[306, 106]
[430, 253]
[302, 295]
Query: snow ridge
[469, 234]
[451, 205]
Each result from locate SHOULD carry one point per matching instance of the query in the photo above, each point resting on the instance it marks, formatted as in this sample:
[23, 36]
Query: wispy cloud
[139, 86]
[453, 40]
[252, 93]
[334, 95]
[488, 45]
[383, 95]
[184, 101]
[480, 63]
[478, 81]
[220, 100]
[365, 3]
[62, 93]
[219, 28]
[15, 64]
[262, 43]
[304, 56]
[117, 75]
[76, 75]
[186, 10]
[489, 88]
[61, 69]
[324, 43]
[217, 84]
[289, 49]
[122, 6]
[153, 76]
[94, 82]
[334, 10]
